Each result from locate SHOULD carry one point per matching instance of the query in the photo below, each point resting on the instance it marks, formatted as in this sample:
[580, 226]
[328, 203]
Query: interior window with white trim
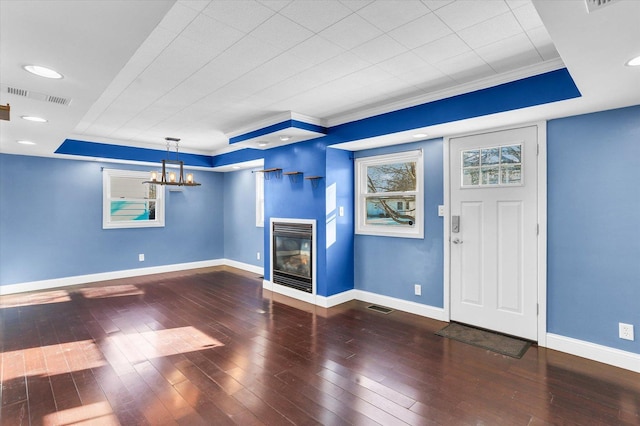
[129, 202]
[389, 191]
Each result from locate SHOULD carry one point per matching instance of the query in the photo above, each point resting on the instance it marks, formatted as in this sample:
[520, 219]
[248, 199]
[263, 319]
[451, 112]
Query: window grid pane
[492, 166]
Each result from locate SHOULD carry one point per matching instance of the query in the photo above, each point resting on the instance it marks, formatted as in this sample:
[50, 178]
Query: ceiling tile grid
[320, 58]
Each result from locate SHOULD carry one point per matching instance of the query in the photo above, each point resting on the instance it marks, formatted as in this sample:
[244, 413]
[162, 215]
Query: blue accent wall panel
[340, 254]
[276, 127]
[120, 152]
[242, 238]
[391, 266]
[594, 226]
[297, 198]
[537, 90]
[51, 222]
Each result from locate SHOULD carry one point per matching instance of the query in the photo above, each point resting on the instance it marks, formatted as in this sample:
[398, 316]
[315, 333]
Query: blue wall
[242, 238]
[391, 266]
[340, 254]
[51, 222]
[299, 199]
[594, 226]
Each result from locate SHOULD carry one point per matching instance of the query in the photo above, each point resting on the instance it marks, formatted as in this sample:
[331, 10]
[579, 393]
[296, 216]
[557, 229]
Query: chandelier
[171, 177]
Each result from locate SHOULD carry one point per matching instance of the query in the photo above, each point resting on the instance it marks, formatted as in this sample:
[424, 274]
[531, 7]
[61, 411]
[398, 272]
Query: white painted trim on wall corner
[542, 233]
[104, 276]
[446, 230]
[244, 266]
[594, 352]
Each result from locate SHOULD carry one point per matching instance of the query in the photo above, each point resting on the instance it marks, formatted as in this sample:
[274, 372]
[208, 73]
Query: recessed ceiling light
[263, 143]
[26, 143]
[42, 71]
[633, 62]
[235, 167]
[32, 118]
[285, 138]
[420, 135]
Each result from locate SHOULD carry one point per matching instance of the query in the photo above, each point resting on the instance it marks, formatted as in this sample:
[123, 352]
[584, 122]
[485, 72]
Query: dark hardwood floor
[211, 347]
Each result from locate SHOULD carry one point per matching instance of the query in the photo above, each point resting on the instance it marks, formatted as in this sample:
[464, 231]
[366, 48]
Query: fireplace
[292, 255]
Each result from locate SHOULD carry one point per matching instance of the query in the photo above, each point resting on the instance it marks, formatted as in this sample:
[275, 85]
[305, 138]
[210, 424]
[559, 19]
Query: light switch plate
[441, 211]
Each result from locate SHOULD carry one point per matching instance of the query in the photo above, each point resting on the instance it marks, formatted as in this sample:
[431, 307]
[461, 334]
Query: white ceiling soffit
[138, 71]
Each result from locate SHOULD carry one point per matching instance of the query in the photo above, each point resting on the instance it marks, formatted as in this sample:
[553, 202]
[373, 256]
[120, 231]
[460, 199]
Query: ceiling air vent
[593, 5]
[58, 100]
[17, 92]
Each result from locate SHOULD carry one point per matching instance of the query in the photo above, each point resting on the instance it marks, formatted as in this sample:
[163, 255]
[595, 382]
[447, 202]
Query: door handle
[457, 241]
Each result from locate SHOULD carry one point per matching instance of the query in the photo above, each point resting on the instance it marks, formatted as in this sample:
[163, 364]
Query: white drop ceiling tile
[379, 49]
[197, 5]
[277, 69]
[292, 86]
[423, 30]
[491, 31]
[356, 5]
[390, 14]
[243, 15]
[204, 29]
[247, 54]
[281, 32]
[514, 4]
[316, 15]
[443, 48]
[436, 4]
[315, 50]
[366, 77]
[465, 13]
[466, 67]
[178, 17]
[543, 43]
[510, 54]
[275, 5]
[351, 32]
[403, 63]
[435, 84]
[339, 66]
[422, 76]
[528, 17]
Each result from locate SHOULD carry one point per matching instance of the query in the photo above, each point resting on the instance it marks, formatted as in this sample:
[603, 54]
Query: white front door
[493, 238]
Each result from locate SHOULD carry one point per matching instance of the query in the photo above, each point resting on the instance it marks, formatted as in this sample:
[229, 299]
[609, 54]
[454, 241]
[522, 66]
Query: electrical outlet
[417, 288]
[625, 331]
[141, 257]
[258, 255]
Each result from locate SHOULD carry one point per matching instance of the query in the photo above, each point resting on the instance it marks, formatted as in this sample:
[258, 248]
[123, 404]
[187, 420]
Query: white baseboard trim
[289, 292]
[402, 305]
[104, 276]
[336, 299]
[244, 266]
[364, 296]
[594, 352]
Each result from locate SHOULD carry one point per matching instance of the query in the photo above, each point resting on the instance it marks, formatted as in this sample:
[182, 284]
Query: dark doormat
[495, 342]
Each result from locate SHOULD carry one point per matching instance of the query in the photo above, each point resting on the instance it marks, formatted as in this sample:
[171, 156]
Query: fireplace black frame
[292, 230]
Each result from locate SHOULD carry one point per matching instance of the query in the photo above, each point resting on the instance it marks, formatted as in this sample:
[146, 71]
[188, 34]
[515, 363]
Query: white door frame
[542, 223]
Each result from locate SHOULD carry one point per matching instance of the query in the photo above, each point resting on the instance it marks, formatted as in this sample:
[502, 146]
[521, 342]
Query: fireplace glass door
[292, 257]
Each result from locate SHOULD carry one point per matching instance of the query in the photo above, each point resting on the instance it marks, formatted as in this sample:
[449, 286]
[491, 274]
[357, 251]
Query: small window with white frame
[130, 202]
[389, 195]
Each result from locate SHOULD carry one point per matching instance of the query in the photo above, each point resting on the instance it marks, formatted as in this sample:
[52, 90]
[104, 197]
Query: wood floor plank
[211, 346]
